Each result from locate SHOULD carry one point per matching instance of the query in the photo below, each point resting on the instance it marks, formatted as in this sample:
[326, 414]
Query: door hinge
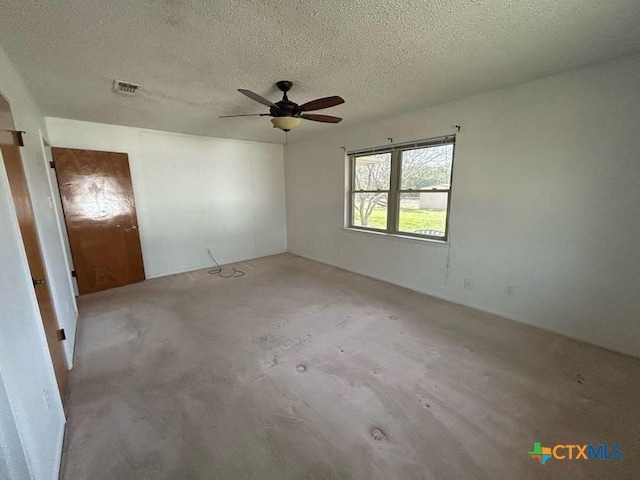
[40, 281]
[52, 164]
[74, 274]
[61, 335]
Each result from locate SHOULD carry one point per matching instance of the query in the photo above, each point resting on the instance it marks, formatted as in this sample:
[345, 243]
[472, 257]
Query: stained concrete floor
[299, 370]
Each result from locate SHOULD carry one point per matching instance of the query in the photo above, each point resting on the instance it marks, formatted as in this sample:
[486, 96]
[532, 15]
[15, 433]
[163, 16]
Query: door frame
[56, 199]
[39, 303]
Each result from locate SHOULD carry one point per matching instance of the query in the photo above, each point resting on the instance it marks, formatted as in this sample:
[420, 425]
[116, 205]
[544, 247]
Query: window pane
[373, 172]
[424, 168]
[423, 213]
[370, 210]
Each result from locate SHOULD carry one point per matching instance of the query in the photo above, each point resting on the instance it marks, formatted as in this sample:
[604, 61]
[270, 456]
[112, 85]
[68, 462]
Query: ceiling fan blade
[257, 98]
[321, 118]
[321, 103]
[246, 115]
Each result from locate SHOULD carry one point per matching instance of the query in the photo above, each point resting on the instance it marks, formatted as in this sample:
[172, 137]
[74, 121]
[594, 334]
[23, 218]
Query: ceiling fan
[286, 114]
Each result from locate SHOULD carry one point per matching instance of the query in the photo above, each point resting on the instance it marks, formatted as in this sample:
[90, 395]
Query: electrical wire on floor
[235, 273]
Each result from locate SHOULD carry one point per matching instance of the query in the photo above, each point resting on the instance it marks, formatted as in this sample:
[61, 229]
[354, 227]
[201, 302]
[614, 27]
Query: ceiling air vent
[124, 88]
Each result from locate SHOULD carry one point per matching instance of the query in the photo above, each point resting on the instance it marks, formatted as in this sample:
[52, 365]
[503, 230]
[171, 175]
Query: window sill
[396, 236]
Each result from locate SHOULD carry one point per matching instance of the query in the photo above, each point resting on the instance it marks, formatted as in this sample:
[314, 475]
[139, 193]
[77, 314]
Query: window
[403, 189]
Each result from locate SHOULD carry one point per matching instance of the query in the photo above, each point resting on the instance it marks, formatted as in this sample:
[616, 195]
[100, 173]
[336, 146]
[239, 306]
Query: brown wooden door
[100, 213]
[29, 232]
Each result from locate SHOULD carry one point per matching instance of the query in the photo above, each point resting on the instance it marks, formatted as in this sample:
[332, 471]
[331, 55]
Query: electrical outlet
[47, 400]
[509, 290]
[468, 284]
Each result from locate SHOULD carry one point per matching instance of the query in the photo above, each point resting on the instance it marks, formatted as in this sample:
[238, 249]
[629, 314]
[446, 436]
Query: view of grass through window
[411, 219]
[422, 196]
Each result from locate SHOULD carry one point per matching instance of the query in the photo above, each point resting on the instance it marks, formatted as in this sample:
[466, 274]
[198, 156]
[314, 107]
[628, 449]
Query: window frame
[395, 191]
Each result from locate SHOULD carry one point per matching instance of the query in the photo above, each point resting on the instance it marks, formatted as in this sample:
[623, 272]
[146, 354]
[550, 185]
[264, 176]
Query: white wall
[545, 198]
[25, 365]
[193, 193]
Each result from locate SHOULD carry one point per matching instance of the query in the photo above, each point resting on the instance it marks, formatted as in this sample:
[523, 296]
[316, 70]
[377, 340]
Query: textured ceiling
[382, 56]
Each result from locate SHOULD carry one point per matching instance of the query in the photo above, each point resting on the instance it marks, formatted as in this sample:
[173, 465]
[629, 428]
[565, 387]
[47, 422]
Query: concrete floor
[299, 370]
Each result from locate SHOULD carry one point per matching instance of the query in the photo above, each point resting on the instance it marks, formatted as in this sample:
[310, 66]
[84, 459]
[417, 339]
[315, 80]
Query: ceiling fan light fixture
[285, 123]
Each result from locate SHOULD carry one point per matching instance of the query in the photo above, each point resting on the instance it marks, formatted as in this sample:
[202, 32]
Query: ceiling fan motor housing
[285, 107]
